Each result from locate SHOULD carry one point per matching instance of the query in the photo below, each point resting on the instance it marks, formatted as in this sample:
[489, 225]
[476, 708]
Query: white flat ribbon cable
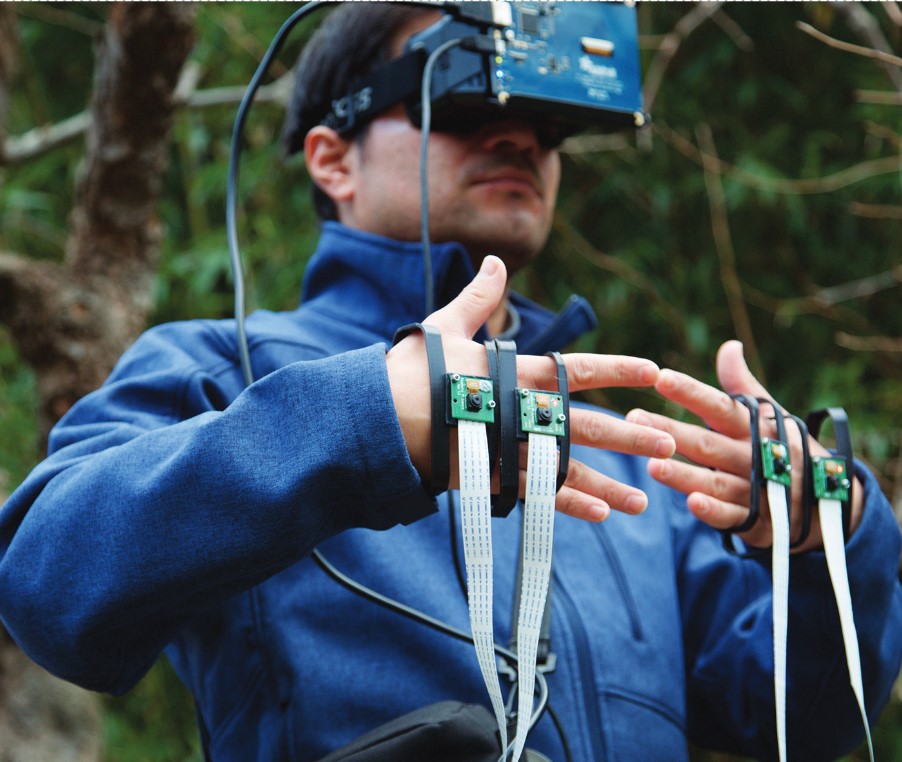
[543, 419]
[770, 462]
[476, 527]
[776, 498]
[828, 480]
[834, 547]
[538, 538]
[832, 487]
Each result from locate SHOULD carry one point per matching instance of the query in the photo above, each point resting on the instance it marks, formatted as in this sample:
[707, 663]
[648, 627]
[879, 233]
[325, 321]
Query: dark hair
[351, 42]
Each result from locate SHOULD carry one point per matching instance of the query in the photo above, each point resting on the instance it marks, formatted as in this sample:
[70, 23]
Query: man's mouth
[510, 176]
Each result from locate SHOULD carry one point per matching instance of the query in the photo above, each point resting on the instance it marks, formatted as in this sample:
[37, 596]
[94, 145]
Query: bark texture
[72, 320]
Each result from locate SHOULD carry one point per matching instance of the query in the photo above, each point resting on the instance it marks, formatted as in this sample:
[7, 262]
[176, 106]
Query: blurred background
[764, 202]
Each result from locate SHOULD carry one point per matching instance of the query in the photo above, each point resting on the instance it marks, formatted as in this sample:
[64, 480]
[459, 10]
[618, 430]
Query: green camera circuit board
[831, 479]
[541, 412]
[472, 398]
[775, 461]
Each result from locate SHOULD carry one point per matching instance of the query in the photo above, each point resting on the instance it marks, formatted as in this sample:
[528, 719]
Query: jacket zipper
[583, 657]
[622, 583]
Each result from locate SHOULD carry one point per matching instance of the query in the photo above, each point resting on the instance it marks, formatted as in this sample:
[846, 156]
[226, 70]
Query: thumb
[733, 372]
[471, 307]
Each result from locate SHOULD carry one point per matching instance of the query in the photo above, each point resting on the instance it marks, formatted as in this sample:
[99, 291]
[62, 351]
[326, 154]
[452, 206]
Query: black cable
[568, 757]
[232, 183]
[455, 551]
[425, 125]
[431, 622]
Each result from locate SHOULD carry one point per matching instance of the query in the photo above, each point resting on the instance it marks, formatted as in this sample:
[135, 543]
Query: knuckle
[707, 444]
[720, 485]
[595, 428]
[580, 371]
[725, 405]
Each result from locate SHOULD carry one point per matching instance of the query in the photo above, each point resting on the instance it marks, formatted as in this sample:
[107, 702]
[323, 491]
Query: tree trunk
[72, 320]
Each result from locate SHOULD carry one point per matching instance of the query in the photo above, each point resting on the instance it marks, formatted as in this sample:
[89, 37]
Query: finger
[687, 478]
[471, 308]
[596, 429]
[733, 371]
[590, 495]
[587, 371]
[594, 486]
[724, 515]
[579, 505]
[700, 445]
[716, 408]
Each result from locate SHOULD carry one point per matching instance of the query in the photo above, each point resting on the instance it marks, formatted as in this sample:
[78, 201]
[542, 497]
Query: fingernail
[599, 512]
[664, 448]
[637, 416]
[649, 374]
[636, 503]
[666, 379]
[489, 266]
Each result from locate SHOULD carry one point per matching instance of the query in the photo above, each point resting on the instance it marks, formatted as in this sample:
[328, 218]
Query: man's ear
[328, 162]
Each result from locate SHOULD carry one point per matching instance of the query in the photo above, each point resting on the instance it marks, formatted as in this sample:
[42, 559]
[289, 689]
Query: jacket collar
[385, 277]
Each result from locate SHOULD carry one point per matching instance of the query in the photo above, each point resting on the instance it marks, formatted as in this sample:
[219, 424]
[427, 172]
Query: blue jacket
[177, 511]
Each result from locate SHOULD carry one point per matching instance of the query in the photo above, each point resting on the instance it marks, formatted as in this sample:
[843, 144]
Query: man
[178, 510]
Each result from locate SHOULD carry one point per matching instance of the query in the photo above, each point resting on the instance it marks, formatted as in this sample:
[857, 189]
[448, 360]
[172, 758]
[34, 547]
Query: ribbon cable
[545, 419]
[471, 402]
[827, 479]
[468, 403]
[770, 463]
[777, 472]
[832, 486]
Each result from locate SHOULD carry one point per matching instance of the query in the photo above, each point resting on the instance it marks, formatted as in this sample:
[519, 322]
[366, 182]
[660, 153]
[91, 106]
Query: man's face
[493, 189]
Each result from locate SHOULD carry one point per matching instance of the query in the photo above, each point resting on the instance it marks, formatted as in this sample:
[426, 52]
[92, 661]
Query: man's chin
[515, 252]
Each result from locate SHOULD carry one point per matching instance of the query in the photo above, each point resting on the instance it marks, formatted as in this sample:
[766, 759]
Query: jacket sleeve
[167, 490]
[727, 620]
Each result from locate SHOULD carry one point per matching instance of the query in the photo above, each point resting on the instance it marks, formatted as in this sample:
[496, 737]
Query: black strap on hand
[491, 356]
[508, 413]
[807, 487]
[435, 358]
[564, 441]
[755, 480]
[843, 436]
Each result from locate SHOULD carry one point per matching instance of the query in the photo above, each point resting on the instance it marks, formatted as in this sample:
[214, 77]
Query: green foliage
[19, 449]
[634, 231]
[156, 721]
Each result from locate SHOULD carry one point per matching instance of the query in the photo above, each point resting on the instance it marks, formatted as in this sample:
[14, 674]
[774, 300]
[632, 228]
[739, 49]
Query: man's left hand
[716, 479]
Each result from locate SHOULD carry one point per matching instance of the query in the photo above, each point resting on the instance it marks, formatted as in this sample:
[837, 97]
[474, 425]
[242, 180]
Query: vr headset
[563, 66]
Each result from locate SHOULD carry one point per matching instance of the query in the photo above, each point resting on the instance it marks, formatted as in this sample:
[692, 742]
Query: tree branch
[869, 343]
[789, 186]
[41, 140]
[879, 97]
[9, 64]
[654, 75]
[862, 287]
[726, 254]
[865, 25]
[630, 275]
[876, 211]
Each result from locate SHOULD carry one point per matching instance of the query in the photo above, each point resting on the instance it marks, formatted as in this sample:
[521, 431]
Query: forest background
[763, 202]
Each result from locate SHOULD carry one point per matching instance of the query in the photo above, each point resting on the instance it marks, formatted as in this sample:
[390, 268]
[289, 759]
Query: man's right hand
[586, 494]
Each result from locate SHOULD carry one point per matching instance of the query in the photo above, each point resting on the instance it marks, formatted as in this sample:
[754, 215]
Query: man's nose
[517, 135]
